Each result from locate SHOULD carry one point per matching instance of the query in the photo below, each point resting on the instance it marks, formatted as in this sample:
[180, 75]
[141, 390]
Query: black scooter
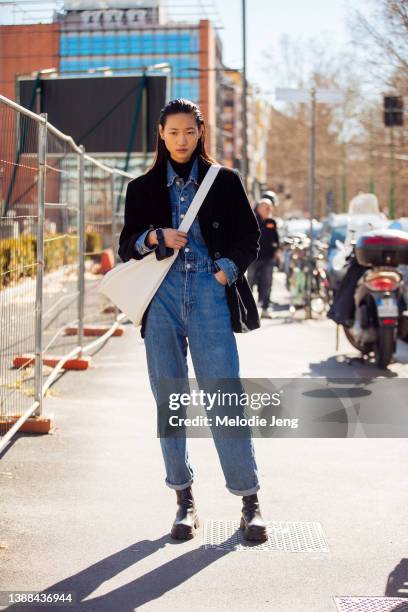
[374, 284]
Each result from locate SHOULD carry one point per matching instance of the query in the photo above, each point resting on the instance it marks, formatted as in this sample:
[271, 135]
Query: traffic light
[393, 111]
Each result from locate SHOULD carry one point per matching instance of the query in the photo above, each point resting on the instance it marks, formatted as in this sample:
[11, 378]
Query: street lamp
[223, 69]
[244, 100]
[99, 69]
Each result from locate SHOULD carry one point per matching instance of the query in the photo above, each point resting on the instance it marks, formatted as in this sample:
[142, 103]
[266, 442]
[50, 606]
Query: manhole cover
[287, 536]
[371, 604]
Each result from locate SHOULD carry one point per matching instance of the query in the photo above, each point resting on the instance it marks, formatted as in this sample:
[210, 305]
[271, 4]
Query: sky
[269, 20]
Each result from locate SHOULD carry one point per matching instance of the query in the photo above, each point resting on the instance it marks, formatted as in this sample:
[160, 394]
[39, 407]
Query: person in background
[260, 272]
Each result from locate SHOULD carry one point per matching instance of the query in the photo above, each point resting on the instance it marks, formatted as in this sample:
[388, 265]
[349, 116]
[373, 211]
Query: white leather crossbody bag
[131, 285]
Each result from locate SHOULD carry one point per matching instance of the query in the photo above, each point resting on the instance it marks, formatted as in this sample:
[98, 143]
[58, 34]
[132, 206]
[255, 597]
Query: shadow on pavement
[144, 589]
[342, 366]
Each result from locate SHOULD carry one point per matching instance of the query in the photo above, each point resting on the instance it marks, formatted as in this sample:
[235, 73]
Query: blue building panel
[81, 51]
[144, 42]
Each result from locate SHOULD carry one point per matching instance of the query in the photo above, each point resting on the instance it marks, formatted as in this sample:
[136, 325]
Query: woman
[203, 299]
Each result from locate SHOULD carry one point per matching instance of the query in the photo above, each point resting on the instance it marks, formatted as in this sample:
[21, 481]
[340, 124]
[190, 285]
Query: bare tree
[306, 64]
[384, 37]
[353, 146]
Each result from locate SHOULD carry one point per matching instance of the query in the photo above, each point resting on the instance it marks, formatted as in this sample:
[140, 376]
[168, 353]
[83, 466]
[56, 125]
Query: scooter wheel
[385, 347]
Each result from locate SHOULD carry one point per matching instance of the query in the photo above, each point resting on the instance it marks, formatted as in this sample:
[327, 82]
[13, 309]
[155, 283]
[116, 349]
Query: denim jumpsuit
[190, 309]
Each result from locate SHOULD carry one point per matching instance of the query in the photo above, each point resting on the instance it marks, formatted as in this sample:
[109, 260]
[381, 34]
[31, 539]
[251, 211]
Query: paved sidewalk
[86, 508]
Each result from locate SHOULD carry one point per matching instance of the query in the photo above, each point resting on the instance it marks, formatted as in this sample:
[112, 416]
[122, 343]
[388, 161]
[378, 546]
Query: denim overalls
[190, 309]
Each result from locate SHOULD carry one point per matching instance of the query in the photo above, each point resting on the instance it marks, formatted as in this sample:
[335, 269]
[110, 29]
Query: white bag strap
[199, 197]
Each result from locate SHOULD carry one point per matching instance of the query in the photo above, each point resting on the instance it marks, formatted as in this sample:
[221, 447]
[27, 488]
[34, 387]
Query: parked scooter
[378, 295]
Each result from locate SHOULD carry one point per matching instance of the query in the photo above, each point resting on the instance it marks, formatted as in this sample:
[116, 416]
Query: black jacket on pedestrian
[269, 241]
[227, 222]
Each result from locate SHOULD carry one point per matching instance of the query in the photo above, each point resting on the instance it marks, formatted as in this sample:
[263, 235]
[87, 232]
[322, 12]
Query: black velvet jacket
[227, 222]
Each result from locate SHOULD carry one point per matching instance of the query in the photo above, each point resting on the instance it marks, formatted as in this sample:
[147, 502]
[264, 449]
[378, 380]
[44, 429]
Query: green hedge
[18, 256]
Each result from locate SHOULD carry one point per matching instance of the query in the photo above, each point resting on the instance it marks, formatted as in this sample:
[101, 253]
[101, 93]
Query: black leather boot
[186, 521]
[251, 520]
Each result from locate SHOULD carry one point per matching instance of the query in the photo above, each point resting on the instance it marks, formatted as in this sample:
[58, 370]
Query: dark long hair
[180, 105]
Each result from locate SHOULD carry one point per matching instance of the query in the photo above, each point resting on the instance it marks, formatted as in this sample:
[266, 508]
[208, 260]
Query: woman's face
[181, 135]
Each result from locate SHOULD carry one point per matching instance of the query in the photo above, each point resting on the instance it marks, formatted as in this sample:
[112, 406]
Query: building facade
[232, 118]
[131, 35]
[258, 128]
[126, 37]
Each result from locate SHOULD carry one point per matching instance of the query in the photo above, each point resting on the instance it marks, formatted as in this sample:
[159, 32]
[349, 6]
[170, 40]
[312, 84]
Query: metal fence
[61, 211]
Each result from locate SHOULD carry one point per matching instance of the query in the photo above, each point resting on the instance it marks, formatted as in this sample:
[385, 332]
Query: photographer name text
[237, 421]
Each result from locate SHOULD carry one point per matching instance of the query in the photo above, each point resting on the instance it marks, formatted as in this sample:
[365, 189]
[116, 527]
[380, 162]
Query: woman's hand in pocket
[221, 277]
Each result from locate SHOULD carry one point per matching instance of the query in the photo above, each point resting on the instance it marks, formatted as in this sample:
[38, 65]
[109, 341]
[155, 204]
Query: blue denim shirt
[181, 196]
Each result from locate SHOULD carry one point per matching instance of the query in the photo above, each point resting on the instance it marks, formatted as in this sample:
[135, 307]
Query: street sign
[292, 95]
[329, 96]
